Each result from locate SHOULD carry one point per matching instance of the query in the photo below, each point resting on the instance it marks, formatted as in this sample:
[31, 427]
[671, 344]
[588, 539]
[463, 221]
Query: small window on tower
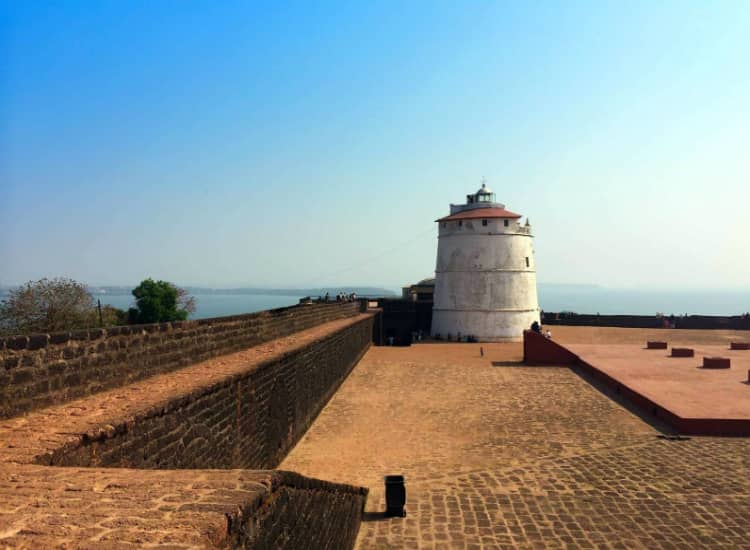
[484, 222]
[527, 261]
[506, 223]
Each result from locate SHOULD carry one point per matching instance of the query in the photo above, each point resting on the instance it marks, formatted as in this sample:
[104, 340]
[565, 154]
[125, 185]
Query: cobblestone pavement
[500, 455]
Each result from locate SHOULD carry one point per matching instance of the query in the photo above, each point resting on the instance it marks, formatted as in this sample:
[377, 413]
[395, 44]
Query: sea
[556, 298]
[552, 297]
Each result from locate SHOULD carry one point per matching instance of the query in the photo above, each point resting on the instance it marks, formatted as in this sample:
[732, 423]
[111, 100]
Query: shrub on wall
[159, 302]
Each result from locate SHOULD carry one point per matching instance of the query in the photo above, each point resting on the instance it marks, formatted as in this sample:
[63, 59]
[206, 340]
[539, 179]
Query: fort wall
[176, 457]
[47, 369]
[696, 322]
[250, 420]
[332, 512]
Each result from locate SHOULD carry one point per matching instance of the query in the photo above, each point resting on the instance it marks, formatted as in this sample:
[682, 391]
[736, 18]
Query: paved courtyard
[498, 455]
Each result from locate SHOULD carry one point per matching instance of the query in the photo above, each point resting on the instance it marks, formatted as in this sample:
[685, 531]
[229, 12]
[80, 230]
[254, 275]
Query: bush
[159, 302]
[52, 305]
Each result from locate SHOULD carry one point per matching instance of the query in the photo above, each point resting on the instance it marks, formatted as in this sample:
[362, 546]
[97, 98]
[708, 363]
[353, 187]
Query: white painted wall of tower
[484, 286]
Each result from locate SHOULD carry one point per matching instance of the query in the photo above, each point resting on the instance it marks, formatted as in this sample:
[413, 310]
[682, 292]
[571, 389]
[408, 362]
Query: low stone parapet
[540, 350]
[49, 369]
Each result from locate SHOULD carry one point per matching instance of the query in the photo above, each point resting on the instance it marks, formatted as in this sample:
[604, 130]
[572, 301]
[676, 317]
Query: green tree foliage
[160, 301]
[52, 305]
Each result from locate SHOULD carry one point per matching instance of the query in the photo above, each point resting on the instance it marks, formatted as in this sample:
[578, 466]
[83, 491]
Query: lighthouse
[485, 277]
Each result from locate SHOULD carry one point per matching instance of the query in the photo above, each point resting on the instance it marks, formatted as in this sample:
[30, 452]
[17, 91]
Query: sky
[297, 144]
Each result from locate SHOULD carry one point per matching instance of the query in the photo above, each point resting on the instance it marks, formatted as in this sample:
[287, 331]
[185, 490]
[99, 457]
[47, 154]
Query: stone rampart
[187, 432]
[250, 419]
[332, 511]
[45, 369]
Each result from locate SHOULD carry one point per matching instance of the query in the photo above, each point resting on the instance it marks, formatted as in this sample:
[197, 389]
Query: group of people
[536, 327]
[340, 297]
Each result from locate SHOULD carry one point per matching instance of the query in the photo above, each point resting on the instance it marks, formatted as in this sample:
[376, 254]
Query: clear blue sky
[240, 143]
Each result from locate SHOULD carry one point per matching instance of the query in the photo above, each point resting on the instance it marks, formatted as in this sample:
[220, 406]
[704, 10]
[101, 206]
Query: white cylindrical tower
[485, 278]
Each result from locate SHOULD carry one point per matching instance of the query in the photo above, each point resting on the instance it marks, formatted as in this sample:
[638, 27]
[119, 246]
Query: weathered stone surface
[179, 509]
[123, 354]
[240, 410]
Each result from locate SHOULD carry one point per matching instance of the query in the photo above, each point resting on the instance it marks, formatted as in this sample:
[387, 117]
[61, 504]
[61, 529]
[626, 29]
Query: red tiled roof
[480, 213]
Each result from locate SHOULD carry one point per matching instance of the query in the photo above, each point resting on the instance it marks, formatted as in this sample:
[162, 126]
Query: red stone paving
[677, 384]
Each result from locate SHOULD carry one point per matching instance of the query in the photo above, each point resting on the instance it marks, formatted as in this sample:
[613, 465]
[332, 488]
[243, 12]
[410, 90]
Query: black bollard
[395, 496]
[481, 351]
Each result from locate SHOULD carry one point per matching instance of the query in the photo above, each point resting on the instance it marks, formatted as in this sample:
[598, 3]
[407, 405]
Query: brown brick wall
[46, 369]
[249, 421]
[332, 513]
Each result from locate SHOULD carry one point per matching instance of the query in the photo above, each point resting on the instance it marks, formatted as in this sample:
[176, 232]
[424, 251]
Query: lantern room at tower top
[483, 199]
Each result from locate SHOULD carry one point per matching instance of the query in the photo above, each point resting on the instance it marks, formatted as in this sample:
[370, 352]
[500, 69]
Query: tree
[160, 301]
[48, 305]
[113, 316]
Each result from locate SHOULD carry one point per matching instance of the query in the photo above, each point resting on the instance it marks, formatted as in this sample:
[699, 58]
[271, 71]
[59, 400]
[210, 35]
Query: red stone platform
[692, 399]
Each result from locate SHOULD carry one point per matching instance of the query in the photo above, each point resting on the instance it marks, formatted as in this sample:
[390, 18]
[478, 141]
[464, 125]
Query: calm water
[551, 298]
[580, 300]
[643, 302]
[216, 305]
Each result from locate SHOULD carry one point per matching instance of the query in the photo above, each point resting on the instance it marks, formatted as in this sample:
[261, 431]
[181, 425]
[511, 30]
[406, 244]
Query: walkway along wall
[46, 369]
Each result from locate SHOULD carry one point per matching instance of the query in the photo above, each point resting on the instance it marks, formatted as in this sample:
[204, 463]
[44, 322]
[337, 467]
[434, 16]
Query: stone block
[22, 376]
[683, 352]
[17, 343]
[79, 335]
[716, 363]
[59, 337]
[37, 341]
[740, 345]
[656, 344]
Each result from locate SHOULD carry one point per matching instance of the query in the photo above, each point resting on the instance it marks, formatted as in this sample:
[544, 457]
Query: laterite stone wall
[46, 369]
[249, 421]
[332, 513]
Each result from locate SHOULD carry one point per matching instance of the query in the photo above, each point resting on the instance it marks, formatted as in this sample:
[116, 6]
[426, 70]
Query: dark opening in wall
[527, 261]
[484, 222]
[506, 223]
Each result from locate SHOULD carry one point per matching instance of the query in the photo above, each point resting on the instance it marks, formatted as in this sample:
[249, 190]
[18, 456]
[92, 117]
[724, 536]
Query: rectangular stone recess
[652, 344]
[740, 345]
[249, 421]
[44, 370]
[683, 352]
